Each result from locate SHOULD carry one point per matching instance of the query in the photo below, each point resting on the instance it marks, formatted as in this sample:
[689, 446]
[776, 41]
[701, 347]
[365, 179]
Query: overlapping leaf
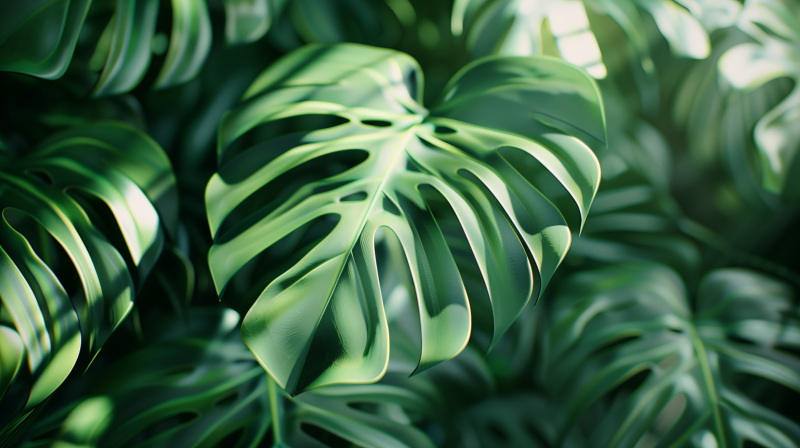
[196, 384]
[315, 200]
[515, 27]
[38, 37]
[82, 218]
[775, 25]
[614, 323]
[128, 40]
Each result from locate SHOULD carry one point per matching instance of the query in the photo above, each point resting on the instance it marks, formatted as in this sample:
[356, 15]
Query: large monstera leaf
[82, 217]
[775, 25]
[196, 384]
[615, 323]
[294, 217]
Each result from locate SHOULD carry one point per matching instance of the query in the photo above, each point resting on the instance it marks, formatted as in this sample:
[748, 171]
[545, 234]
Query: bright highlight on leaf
[295, 214]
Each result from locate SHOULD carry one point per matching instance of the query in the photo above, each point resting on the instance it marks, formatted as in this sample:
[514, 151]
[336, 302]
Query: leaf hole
[307, 179]
[390, 206]
[769, 394]
[48, 249]
[326, 437]
[227, 400]
[355, 197]
[738, 339]
[172, 422]
[377, 123]
[232, 439]
[629, 385]
[265, 267]
[40, 175]
[268, 140]
[444, 130]
[104, 220]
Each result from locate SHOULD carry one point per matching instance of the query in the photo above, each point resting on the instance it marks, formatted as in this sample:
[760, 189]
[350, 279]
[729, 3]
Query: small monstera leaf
[612, 324]
[196, 384]
[294, 217]
[81, 219]
[38, 37]
[775, 25]
[126, 45]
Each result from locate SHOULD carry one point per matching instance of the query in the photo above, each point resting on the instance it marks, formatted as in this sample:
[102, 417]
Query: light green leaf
[318, 318]
[614, 323]
[61, 207]
[775, 25]
[38, 37]
[189, 43]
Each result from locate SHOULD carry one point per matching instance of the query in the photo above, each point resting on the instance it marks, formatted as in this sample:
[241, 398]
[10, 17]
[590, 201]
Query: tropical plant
[219, 219]
[674, 374]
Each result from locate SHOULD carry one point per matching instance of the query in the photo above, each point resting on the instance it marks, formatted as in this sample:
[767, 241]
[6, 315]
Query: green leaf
[196, 384]
[774, 24]
[81, 218]
[130, 45]
[515, 27]
[614, 323]
[38, 37]
[633, 216]
[318, 318]
[247, 20]
[189, 43]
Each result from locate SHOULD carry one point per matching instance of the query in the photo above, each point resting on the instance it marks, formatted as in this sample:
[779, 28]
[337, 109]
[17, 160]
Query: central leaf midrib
[399, 149]
[711, 390]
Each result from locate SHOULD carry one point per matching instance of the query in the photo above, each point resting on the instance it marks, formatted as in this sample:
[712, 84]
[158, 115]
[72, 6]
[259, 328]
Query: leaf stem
[710, 387]
[275, 411]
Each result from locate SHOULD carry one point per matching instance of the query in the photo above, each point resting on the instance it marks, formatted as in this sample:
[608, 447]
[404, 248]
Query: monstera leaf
[680, 377]
[123, 50]
[38, 37]
[82, 218]
[775, 25]
[515, 27]
[294, 215]
[126, 44]
[196, 384]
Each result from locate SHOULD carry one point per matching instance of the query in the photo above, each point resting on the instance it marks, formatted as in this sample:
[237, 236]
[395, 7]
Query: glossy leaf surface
[80, 222]
[320, 318]
[612, 324]
[128, 41]
[38, 37]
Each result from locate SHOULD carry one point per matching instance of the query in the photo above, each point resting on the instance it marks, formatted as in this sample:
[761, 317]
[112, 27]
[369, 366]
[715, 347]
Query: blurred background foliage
[673, 320]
